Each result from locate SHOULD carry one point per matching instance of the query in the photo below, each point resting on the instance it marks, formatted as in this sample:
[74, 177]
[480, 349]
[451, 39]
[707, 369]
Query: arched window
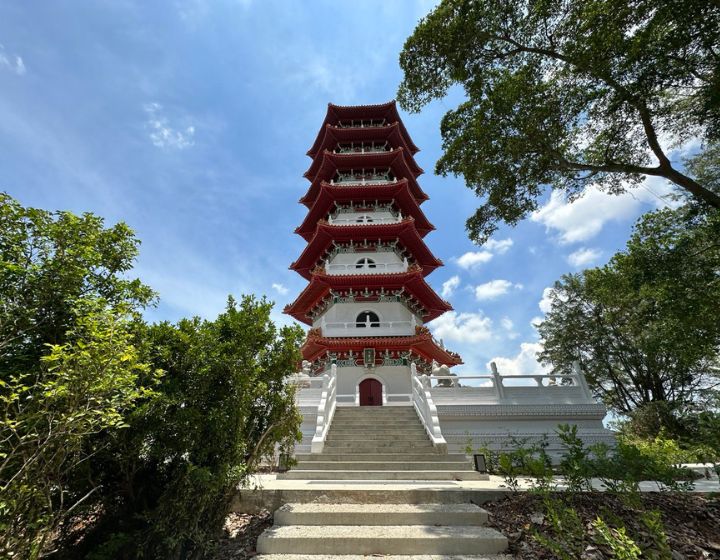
[365, 263]
[367, 318]
[365, 219]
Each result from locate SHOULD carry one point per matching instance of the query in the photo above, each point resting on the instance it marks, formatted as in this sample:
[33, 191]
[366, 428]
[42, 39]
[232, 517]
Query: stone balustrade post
[497, 381]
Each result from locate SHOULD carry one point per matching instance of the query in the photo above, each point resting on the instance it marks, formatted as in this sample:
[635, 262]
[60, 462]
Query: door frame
[376, 378]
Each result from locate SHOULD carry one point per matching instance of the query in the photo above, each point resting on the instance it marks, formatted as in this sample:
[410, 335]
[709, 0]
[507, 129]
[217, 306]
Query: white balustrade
[368, 328]
[352, 268]
[427, 411]
[497, 388]
[363, 181]
[326, 410]
[354, 222]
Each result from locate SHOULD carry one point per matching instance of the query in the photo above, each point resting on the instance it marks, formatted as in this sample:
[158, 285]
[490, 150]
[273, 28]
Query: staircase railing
[423, 403]
[326, 410]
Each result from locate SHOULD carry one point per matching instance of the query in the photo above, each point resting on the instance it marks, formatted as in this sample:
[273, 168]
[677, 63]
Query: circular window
[365, 219]
[367, 318]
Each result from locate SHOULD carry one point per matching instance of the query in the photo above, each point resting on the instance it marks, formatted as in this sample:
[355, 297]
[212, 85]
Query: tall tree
[566, 93]
[644, 327]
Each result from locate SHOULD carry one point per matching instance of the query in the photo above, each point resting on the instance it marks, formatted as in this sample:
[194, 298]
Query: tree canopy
[566, 93]
[644, 327]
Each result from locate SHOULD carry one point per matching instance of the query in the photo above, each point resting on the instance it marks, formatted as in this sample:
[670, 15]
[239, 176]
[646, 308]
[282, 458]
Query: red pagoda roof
[403, 231]
[333, 135]
[421, 344]
[394, 160]
[412, 281]
[337, 113]
[398, 191]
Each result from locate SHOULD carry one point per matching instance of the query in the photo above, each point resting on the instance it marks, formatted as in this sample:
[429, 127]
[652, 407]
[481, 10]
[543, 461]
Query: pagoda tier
[410, 286]
[397, 165]
[328, 235]
[334, 137]
[364, 116]
[331, 196]
[395, 348]
[373, 156]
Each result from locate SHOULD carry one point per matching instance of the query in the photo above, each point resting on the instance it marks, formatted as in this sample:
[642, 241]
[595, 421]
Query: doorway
[371, 393]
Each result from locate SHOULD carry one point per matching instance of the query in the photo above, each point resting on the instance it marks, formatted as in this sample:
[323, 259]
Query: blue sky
[189, 120]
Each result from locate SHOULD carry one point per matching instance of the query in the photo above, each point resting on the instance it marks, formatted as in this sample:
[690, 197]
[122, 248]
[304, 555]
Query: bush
[222, 405]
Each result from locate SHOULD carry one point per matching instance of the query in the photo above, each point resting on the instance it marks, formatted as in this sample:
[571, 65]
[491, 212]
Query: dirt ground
[692, 523]
[241, 534]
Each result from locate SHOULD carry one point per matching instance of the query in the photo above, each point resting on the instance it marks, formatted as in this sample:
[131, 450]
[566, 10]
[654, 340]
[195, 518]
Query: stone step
[383, 557]
[319, 474]
[374, 429]
[398, 414]
[387, 539]
[382, 465]
[380, 514]
[401, 436]
[427, 456]
[377, 446]
[253, 500]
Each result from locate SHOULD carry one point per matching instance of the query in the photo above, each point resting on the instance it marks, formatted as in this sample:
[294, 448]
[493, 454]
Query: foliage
[567, 541]
[82, 388]
[49, 264]
[565, 94]
[222, 405]
[574, 465]
[644, 326]
[622, 546]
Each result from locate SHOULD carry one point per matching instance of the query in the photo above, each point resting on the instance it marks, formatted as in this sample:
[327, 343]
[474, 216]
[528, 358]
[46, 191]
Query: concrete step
[377, 446]
[402, 436]
[384, 557]
[373, 429]
[430, 455]
[253, 500]
[375, 414]
[352, 421]
[320, 474]
[380, 514]
[383, 465]
[388, 539]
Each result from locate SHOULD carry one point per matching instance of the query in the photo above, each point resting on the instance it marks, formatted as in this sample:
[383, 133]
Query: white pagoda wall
[395, 381]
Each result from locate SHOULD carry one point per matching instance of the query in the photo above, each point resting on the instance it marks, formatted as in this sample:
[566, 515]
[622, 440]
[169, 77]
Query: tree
[566, 93]
[644, 327]
[49, 264]
[221, 406]
[80, 390]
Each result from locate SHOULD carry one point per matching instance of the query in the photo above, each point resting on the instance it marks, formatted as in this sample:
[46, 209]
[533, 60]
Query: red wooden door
[370, 393]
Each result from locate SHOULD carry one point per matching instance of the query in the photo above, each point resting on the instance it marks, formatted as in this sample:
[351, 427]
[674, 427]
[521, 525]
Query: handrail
[326, 410]
[426, 409]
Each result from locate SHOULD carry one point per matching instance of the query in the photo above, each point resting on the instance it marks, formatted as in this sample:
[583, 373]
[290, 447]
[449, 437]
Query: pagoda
[366, 260]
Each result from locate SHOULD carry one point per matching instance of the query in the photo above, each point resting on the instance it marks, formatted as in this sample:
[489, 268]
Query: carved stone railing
[425, 407]
[326, 410]
[504, 389]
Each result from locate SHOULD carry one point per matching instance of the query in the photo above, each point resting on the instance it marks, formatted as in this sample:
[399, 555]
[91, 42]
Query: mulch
[241, 534]
[692, 523]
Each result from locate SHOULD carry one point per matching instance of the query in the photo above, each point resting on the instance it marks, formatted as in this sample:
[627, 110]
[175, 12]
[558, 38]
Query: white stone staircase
[380, 443]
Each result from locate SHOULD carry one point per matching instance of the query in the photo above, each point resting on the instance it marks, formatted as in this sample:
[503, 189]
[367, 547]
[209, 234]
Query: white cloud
[506, 323]
[279, 288]
[524, 363]
[546, 301]
[583, 257]
[12, 62]
[462, 327]
[498, 246]
[494, 288]
[449, 286]
[162, 134]
[492, 247]
[584, 218]
[473, 259]
[535, 321]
